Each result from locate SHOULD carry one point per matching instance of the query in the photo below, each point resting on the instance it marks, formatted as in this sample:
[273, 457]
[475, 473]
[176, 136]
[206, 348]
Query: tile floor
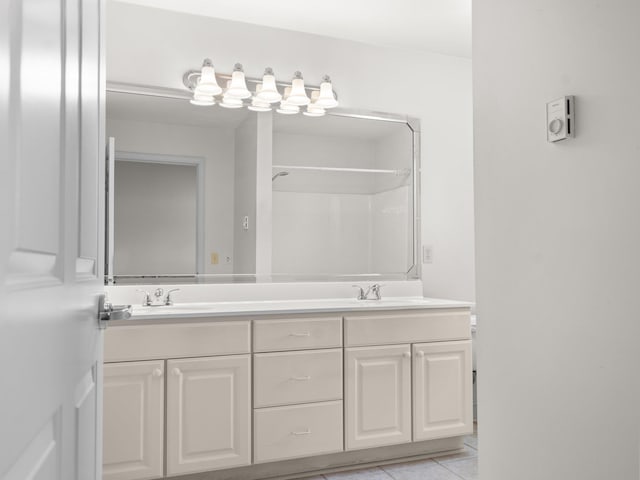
[463, 465]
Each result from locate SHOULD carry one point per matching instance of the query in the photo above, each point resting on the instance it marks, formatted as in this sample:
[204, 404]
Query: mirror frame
[414, 272]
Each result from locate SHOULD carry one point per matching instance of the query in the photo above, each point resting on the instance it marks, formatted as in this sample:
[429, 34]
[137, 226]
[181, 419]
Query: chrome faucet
[167, 300]
[372, 289]
[158, 294]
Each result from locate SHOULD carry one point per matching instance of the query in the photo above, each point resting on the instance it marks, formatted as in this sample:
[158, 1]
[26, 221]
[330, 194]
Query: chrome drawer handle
[303, 334]
[301, 379]
[303, 432]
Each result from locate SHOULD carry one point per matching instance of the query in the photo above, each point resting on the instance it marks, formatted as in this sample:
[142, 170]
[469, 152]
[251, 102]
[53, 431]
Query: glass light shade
[269, 92]
[238, 86]
[207, 85]
[259, 107]
[326, 99]
[230, 102]
[298, 94]
[202, 100]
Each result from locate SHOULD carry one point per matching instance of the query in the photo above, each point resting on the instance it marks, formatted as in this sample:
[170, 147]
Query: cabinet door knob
[157, 372]
[406, 354]
[176, 371]
[420, 353]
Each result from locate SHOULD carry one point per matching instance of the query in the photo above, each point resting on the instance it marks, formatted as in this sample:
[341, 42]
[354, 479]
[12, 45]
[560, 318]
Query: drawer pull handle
[302, 432]
[301, 379]
[302, 334]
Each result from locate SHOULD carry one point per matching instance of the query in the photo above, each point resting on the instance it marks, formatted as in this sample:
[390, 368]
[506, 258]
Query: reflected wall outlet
[245, 222]
[427, 254]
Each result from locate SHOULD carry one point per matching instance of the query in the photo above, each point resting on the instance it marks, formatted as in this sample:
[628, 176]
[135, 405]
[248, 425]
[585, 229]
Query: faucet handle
[158, 293]
[147, 297]
[376, 290]
[361, 294]
[167, 300]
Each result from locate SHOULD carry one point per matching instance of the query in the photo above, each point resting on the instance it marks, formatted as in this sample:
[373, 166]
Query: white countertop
[270, 307]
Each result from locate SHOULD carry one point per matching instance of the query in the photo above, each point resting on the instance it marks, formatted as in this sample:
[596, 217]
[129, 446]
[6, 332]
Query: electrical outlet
[214, 258]
[427, 254]
[245, 222]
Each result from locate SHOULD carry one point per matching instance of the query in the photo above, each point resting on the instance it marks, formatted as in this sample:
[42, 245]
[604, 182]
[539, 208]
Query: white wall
[434, 88]
[244, 240]
[558, 236]
[216, 146]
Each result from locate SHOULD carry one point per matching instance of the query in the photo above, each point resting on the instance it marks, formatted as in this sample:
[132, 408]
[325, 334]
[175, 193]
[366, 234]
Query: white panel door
[208, 413]
[442, 390]
[377, 396]
[133, 420]
[50, 249]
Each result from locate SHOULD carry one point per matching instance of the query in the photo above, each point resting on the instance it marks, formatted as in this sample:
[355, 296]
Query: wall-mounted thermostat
[560, 119]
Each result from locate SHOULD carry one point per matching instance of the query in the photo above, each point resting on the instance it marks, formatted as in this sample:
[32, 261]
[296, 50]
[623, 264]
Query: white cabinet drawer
[297, 377]
[142, 342]
[296, 334]
[297, 431]
[402, 327]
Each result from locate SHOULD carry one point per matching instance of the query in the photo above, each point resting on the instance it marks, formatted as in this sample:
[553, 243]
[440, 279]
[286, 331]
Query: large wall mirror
[207, 194]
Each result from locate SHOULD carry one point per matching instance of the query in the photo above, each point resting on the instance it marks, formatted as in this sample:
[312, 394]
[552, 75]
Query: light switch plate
[561, 119]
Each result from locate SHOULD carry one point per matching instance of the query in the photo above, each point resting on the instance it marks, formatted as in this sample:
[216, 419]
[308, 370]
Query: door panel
[378, 396]
[49, 335]
[442, 405]
[208, 413]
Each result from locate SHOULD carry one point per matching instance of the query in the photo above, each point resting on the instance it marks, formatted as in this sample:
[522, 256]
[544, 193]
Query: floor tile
[466, 468]
[422, 470]
[365, 474]
[471, 441]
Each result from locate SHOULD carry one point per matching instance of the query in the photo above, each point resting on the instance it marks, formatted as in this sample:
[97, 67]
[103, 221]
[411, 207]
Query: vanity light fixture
[326, 98]
[268, 91]
[206, 91]
[238, 86]
[313, 110]
[298, 95]
[257, 104]
[207, 85]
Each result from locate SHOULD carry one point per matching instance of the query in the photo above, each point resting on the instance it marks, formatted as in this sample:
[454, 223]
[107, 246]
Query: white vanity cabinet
[442, 390]
[208, 413]
[271, 393]
[133, 420]
[417, 389]
[297, 388]
[378, 394]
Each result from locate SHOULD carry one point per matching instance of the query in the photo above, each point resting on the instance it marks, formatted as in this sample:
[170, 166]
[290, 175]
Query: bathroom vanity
[283, 389]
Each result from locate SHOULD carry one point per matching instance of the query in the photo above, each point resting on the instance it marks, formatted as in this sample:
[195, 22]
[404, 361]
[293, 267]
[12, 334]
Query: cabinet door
[208, 413]
[377, 396]
[442, 390]
[133, 420]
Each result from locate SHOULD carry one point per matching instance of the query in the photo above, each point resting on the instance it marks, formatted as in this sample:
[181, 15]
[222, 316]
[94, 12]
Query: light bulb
[285, 107]
[326, 99]
[258, 105]
[207, 85]
[298, 94]
[269, 92]
[238, 86]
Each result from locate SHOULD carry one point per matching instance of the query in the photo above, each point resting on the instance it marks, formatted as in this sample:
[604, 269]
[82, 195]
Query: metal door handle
[300, 379]
[303, 334]
[107, 311]
[302, 432]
